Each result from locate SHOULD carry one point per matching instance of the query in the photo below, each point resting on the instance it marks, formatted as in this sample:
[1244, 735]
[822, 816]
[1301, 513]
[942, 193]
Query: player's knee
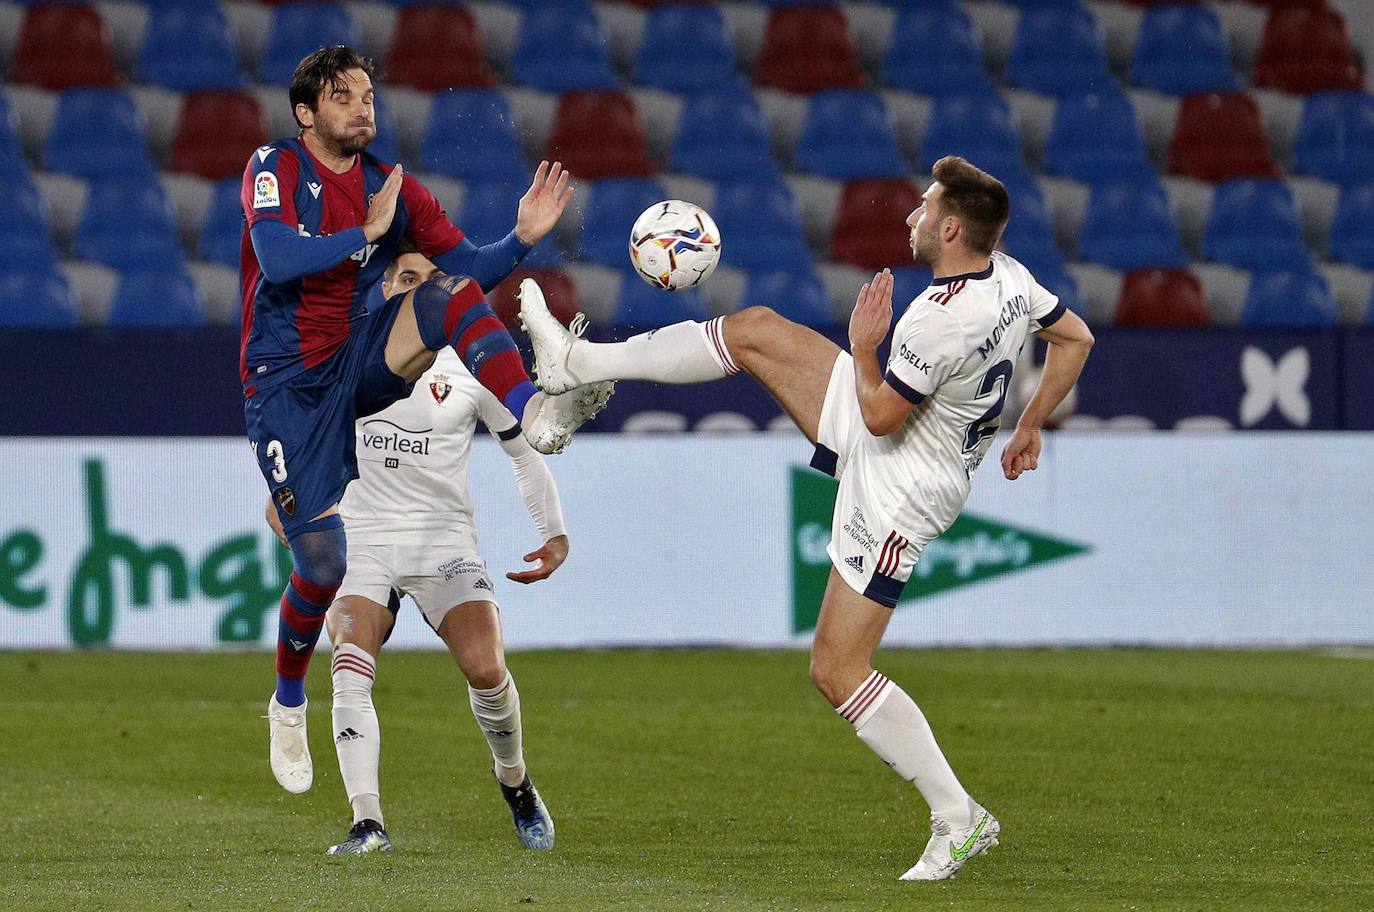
[826, 675]
[431, 302]
[485, 672]
[746, 329]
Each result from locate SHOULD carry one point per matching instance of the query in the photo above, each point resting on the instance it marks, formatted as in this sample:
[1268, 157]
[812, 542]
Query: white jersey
[413, 460]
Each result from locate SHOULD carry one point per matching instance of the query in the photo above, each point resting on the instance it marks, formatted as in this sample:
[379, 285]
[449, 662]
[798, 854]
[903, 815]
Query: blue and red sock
[318, 552]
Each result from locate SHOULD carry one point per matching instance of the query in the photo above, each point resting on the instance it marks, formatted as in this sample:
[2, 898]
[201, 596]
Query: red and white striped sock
[893, 726]
[685, 352]
[357, 735]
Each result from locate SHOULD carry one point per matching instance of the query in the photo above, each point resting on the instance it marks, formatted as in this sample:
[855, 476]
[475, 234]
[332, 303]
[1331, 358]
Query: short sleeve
[269, 186]
[496, 416]
[429, 228]
[926, 350]
[1046, 308]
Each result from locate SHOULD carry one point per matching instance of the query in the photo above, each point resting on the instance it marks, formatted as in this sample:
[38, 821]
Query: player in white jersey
[904, 444]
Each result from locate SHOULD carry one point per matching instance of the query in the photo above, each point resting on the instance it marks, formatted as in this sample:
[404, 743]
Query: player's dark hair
[324, 67]
[977, 198]
[404, 247]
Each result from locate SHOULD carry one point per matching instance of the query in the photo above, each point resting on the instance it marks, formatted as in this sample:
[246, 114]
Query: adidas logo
[497, 733]
[856, 562]
[482, 584]
[347, 734]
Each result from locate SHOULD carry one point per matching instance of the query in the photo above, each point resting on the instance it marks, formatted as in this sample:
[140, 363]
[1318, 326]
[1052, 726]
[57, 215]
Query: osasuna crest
[440, 387]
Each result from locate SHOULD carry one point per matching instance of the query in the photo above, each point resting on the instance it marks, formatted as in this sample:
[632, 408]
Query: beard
[925, 251]
[348, 141]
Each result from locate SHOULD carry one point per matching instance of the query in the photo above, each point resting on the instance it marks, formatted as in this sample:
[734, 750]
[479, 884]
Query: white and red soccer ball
[674, 245]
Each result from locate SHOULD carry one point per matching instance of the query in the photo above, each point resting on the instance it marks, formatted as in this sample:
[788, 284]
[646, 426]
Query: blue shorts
[302, 431]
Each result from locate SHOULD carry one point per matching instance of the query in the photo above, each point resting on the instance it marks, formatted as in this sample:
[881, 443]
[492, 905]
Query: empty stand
[28, 235]
[798, 296]
[1181, 49]
[156, 298]
[1254, 225]
[721, 137]
[1220, 135]
[611, 208]
[488, 215]
[1129, 225]
[705, 63]
[1336, 137]
[1161, 297]
[222, 235]
[35, 299]
[128, 225]
[1289, 299]
[807, 48]
[300, 29]
[61, 46]
[761, 226]
[97, 133]
[977, 126]
[1057, 48]
[641, 305]
[1352, 230]
[1095, 136]
[597, 134]
[934, 50]
[560, 47]
[216, 133]
[1305, 48]
[471, 136]
[870, 228]
[847, 135]
[1029, 235]
[437, 47]
[188, 46]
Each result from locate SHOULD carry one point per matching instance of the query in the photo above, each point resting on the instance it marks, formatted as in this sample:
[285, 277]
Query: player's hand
[1021, 454]
[382, 209]
[542, 203]
[872, 316]
[274, 521]
[550, 558]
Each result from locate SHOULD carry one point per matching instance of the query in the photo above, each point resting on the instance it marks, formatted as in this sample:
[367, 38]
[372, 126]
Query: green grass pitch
[699, 780]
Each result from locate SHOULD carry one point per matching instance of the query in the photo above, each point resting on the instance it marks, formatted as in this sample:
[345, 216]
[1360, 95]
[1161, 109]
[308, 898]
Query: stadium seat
[128, 225]
[722, 137]
[1336, 137]
[159, 297]
[597, 134]
[11, 152]
[216, 133]
[97, 133]
[1289, 299]
[437, 47]
[1129, 225]
[1058, 281]
[61, 46]
[489, 215]
[763, 219]
[807, 48]
[907, 284]
[1254, 224]
[188, 46]
[1057, 49]
[300, 29]
[1030, 233]
[35, 299]
[560, 293]
[706, 63]
[870, 228]
[799, 296]
[1306, 49]
[1220, 135]
[384, 143]
[28, 233]
[471, 136]
[1161, 297]
[935, 51]
[977, 126]
[610, 209]
[223, 231]
[1096, 136]
[641, 306]
[848, 135]
[1352, 230]
[1181, 49]
[560, 47]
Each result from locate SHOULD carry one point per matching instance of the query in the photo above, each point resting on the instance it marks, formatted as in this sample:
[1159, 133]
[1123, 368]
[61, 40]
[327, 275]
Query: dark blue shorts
[302, 431]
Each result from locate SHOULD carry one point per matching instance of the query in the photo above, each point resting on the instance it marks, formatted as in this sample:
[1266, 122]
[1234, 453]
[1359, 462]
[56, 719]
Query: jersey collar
[985, 274]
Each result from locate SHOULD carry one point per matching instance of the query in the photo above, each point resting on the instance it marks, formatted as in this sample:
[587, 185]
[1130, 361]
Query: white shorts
[873, 558]
[438, 577]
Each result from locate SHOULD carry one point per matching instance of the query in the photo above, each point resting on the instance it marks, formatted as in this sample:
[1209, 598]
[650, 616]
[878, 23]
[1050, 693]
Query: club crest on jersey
[286, 499]
[266, 193]
[440, 388]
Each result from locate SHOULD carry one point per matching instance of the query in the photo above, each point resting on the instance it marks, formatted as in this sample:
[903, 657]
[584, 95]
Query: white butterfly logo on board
[1269, 384]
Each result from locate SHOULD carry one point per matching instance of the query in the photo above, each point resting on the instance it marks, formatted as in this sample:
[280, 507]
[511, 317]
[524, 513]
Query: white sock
[357, 736]
[685, 352]
[891, 723]
[497, 711]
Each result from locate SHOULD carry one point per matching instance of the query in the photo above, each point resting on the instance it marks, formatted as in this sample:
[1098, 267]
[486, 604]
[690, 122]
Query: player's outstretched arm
[537, 490]
[884, 409]
[543, 203]
[1070, 341]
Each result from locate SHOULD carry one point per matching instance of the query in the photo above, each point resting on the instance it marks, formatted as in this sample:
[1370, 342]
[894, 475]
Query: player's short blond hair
[978, 199]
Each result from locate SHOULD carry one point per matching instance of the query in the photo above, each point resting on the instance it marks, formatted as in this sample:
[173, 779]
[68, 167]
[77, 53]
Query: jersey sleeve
[925, 350]
[1046, 308]
[496, 416]
[269, 187]
[429, 228]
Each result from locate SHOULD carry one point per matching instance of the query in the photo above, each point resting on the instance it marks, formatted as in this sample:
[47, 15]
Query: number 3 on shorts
[274, 453]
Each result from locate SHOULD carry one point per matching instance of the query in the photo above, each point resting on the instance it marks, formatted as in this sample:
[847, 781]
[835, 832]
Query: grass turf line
[699, 780]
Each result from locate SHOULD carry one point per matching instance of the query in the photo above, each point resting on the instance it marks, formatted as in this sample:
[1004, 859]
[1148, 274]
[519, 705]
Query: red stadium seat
[808, 48]
[1220, 135]
[1306, 50]
[596, 134]
[1161, 297]
[217, 131]
[870, 224]
[61, 46]
[437, 47]
[557, 285]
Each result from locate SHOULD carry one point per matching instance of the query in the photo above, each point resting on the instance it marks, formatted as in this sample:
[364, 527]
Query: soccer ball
[674, 245]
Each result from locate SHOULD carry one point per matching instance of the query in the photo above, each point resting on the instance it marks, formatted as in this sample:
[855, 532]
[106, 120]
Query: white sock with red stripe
[685, 352]
[497, 711]
[357, 736]
[891, 723]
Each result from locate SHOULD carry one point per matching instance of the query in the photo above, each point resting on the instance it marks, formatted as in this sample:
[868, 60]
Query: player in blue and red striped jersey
[323, 221]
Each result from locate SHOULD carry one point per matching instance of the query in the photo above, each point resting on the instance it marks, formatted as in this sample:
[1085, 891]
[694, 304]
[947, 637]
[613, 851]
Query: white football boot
[951, 848]
[550, 420]
[551, 340]
[287, 748]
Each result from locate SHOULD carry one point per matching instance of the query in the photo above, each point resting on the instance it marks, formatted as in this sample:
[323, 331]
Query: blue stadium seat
[1254, 224]
[28, 234]
[36, 299]
[798, 296]
[1336, 136]
[643, 306]
[1096, 136]
[977, 126]
[187, 45]
[1352, 230]
[847, 135]
[1057, 49]
[223, 232]
[934, 51]
[1129, 225]
[489, 215]
[611, 207]
[384, 143]
[560, 47]
[471, 136]
[1181, 49]
[1057, 280]
[11, 152]
[128, 225]
[665, 61]
[907, 283]
[722, 137]
[97, 133]
[300, 29]
[1030, 232]
[1289, 299]
[762, 219]
[156, 297]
